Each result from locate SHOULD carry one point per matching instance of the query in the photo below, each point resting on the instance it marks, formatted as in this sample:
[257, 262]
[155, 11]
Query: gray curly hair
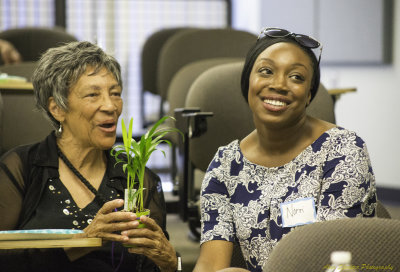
[61, 67]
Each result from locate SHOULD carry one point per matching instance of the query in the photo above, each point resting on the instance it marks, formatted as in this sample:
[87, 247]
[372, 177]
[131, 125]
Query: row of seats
[169, 50]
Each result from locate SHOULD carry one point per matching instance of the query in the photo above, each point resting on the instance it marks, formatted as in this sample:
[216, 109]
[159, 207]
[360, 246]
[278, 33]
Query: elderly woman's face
[95, 105]
[279, 85]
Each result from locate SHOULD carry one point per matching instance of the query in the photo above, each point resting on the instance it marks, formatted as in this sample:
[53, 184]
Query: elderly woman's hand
[151, 242]
[107, 224]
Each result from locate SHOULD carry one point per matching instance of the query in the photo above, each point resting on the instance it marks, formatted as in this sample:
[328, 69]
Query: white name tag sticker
[298, 212]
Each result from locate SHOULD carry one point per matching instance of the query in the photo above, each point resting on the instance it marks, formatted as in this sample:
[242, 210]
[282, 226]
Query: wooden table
[336, 93]
[341, 91]
[78, 242]
[15, 85]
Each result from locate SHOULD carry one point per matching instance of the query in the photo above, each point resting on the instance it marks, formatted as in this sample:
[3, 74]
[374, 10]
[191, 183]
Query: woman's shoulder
[323, 130]
[341, 132]
[231, 147]
[234, 145]
[32, 152]
[19, 153]
[228, 152]
[341, 136]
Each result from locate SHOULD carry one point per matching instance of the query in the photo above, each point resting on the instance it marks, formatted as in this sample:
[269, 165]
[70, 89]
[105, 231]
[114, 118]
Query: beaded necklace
[100, 197]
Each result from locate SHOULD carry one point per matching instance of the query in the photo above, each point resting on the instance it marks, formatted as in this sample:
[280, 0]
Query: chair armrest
[192, 123]
[181, 122]
[197, 123]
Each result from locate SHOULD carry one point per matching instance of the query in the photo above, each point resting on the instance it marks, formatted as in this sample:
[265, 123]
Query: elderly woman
[291, 170]
[70, 181]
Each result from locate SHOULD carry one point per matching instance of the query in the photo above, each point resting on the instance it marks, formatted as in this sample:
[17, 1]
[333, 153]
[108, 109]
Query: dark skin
[151, 242]
[106, 225]
[257, 151]
[279, 93]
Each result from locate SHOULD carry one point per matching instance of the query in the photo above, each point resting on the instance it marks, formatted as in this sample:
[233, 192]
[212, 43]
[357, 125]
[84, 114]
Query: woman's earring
[60, 129]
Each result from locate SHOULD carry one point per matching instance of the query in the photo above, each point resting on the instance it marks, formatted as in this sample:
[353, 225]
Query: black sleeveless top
[57, 209]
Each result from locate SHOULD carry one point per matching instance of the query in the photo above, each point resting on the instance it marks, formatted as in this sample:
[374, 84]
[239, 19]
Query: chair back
[322, 106]
[198, 44]
[32, 42]
[23, 69]
[217, 90]
[183, 79]
[21, 122]
[181, 82]
[150, 55]
[381, 210]
[149, 63]
[371, 241]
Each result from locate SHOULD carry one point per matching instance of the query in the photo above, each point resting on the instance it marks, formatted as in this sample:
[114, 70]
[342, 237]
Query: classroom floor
[179, 237]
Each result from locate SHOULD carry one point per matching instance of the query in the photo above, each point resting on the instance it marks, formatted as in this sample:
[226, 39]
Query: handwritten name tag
[298, 212]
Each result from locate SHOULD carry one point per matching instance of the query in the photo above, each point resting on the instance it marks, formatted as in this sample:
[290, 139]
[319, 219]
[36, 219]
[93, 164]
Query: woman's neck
[278, 140]
[81, 157]
[276, 146]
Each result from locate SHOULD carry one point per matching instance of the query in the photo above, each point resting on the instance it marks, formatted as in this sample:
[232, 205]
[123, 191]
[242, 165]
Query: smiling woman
[94, 107]
[281, 67]
[70, 181]
[292, 170]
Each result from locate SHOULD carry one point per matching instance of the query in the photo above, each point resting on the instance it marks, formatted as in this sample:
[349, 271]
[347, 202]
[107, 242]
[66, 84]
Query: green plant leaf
[124, 134]
[130, 133]
[158, 123]
[138, 153]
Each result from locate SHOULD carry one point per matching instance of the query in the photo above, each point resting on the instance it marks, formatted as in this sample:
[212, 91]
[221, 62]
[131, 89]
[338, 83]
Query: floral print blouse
[242, 201]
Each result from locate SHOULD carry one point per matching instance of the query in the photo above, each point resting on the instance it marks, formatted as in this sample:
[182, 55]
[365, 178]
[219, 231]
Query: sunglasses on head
[302, 39]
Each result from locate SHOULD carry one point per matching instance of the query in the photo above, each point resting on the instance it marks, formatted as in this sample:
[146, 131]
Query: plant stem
[141, 179]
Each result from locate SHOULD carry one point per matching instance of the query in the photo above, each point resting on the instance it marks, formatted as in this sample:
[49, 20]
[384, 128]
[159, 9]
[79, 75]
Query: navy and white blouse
[241, 200]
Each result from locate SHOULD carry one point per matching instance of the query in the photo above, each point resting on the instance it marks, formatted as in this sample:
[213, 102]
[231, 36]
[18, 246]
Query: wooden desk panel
[15, 85]
[79, 242]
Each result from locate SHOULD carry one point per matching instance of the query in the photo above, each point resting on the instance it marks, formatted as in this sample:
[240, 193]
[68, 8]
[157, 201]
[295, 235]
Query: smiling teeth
[275, 102]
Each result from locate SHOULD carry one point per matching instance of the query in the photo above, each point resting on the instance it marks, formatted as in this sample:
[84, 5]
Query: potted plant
[137, 154]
